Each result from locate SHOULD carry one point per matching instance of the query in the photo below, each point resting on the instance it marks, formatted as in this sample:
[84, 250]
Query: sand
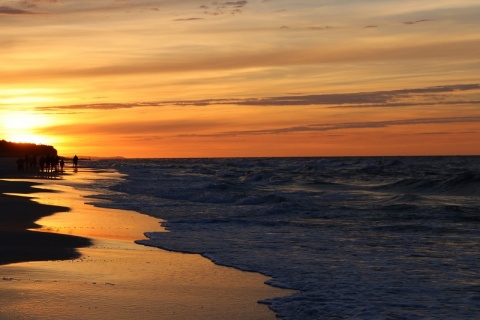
[81, 262]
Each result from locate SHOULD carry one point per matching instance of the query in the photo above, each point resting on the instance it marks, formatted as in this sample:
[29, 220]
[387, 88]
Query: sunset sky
[194, 78]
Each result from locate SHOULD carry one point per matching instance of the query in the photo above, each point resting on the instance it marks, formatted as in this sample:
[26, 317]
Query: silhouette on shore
[75, 162]
[33, 158]
[20, 165]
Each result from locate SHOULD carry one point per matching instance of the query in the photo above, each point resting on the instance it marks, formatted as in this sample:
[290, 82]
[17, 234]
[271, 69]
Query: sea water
[359, 238]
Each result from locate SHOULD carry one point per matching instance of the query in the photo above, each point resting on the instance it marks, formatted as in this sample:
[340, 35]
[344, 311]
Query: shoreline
[113, 277]
[19, 242]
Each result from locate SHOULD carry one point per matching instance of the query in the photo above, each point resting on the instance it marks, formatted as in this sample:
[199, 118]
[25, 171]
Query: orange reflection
[90, 221]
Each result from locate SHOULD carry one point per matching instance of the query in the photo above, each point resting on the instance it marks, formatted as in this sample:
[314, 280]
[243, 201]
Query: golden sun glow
[30, 138]
[23, 120]
[22, 127]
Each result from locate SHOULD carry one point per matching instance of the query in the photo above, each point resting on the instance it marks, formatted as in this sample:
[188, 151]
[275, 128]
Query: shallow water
[362, 238]
[117, 279]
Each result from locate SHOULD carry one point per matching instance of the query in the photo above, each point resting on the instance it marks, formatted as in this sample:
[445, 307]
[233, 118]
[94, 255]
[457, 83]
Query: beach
[62, 258]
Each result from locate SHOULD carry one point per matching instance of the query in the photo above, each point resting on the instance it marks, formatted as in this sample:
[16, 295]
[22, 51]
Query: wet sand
[87, 266]
[17, 217]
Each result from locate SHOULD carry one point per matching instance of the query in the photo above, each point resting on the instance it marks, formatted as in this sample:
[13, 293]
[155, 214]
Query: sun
[23, 126]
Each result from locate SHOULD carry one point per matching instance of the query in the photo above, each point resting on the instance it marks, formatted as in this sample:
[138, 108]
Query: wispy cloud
[13, 11]
[213, 128]
[60, 7]
[224, 7]
[34, 3]
[417, 21]
[188, 19]
[228, 59]
[393, 98]
[101, 106]
[136, 127]
[319, 127]
[321, 28]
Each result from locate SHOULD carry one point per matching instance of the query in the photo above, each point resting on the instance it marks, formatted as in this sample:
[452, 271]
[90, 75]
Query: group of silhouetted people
[46, 163]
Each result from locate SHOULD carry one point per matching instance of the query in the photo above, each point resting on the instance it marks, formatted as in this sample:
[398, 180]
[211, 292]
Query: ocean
[358, 237]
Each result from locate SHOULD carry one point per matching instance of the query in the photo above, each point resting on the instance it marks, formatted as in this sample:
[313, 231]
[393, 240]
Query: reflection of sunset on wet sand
[243, 78]
[117, 279]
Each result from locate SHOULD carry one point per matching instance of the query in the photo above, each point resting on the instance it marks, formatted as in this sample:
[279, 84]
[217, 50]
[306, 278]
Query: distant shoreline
[94, 158]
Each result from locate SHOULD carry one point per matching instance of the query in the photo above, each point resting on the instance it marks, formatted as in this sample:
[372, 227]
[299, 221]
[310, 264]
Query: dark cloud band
[393, 98]
[12, 11]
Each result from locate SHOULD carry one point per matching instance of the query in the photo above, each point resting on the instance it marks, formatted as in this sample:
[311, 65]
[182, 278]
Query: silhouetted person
[48, 162]
[27, 161]
[33, 162]
[55, 162]
[20, 163]
[42, 163]
[62, 164]
[75, 162]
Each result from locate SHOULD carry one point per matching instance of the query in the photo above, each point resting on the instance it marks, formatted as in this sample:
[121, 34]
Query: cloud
[12, 11]
[90, 6]
[134, 127]
[376, 98]
[393, 98]
[320, 28]
[417, 21]
[235, 4]
[237, 60]
[408, 104]
[101, 106]
[188, 19]
[224, 7]
[341, 126]
[36, 1]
